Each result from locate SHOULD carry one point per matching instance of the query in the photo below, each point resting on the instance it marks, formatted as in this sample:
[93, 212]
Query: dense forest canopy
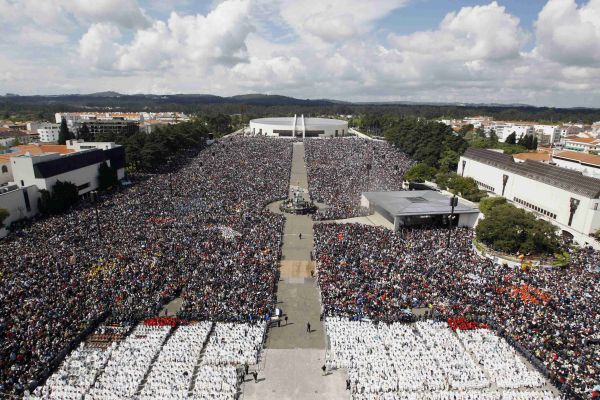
[44, 107]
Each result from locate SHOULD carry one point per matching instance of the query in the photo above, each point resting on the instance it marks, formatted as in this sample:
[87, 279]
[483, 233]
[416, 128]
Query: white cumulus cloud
[486, 32]
[331, 20]
[190, 40]
[568, 33]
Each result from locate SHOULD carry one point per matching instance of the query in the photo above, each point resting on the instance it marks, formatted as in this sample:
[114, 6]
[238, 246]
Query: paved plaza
[295, 374]
[291, 365]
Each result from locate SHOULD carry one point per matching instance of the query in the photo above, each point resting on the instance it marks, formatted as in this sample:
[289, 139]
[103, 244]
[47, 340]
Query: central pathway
[291, 366]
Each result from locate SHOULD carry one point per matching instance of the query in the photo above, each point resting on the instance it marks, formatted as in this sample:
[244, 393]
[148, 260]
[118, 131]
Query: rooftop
[290, 121]
[572, 181]
[537, 156]
[582, 139]
[34, 149]
[583, 158]
[416, 202]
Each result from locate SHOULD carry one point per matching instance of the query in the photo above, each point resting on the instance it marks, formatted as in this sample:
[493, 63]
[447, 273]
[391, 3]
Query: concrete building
[571, 129]
[565, 197]
[299, 127]
[79, 167]
[583, 144]
[9, 136]
[126, 123]
[587, 164]
[30, 168]
[47, 131]
[6, 174]
[504, 129]
[547, 134]
[419, 207]
[20, 202]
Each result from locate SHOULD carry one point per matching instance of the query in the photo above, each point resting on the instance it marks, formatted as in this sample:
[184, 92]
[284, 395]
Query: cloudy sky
[507, 51]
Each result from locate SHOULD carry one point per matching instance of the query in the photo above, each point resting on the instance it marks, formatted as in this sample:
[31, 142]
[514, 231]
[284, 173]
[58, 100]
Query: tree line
[149, 152]
[24, 108]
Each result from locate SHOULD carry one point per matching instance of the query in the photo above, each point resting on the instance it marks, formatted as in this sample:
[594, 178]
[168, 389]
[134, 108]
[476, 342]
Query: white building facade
[582, 144]
[299, 127]
[79, 168]
[48, 132]
[504, 129]
[587, 164]
[29, 173]
[20, 202]
[547, 134]
[566, 198]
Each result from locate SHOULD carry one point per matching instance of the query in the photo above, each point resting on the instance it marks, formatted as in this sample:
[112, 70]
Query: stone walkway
[291, 366]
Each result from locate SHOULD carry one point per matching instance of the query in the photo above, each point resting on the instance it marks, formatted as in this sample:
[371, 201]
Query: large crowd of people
[427, 360]
[339, 170]
[200, 232]
[552, 313]
[197, 360]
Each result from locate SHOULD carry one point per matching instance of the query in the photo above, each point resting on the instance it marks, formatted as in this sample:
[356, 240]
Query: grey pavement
[293, 358]
[295, 374]
[300, 302]
[171, 308]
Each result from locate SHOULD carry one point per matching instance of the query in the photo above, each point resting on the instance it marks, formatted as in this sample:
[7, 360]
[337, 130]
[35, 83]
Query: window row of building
[485, 186]
[535, 208]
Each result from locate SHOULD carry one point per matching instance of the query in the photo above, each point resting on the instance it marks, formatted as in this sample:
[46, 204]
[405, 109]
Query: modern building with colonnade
[298, 127]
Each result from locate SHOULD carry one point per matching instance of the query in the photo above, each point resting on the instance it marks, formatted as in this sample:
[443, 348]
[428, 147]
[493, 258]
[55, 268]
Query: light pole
[94, 194]
[453, 203]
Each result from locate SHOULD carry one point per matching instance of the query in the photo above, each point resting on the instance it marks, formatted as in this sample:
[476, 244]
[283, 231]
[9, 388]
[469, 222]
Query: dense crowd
[159, 361]
[366, 271]
[201, 231]
[426, 360]
[339, 170]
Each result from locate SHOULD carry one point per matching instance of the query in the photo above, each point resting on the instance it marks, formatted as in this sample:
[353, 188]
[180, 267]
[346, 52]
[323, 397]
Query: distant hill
[111, 99]
[255, 105]
[105, 94]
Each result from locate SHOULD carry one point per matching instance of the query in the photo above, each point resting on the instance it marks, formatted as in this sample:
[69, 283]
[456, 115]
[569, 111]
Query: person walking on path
[255, 375]
[324, 369]
[300, 236]
[286, 317]
[308, 327]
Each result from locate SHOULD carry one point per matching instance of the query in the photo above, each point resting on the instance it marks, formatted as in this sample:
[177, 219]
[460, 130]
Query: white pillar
[294, 127]
[303, 128]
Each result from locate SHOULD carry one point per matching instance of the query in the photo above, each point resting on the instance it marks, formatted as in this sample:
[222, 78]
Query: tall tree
[511, 139]
[107, 176]
[3, 215]
[85, 134]
[63, 133]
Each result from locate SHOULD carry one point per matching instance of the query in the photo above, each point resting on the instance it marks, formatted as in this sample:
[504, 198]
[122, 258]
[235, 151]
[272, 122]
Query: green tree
[466, 129]
[511, 139]
[85, 134]
[449, 160]
[420, 173]
[460, 186]
[510, 229]
[63, 196]
[45, 204]
[63, 133]
[480, 133]
[423, 140]
[493, 137]
[490, 202]
[107, 176]
[3, 215]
